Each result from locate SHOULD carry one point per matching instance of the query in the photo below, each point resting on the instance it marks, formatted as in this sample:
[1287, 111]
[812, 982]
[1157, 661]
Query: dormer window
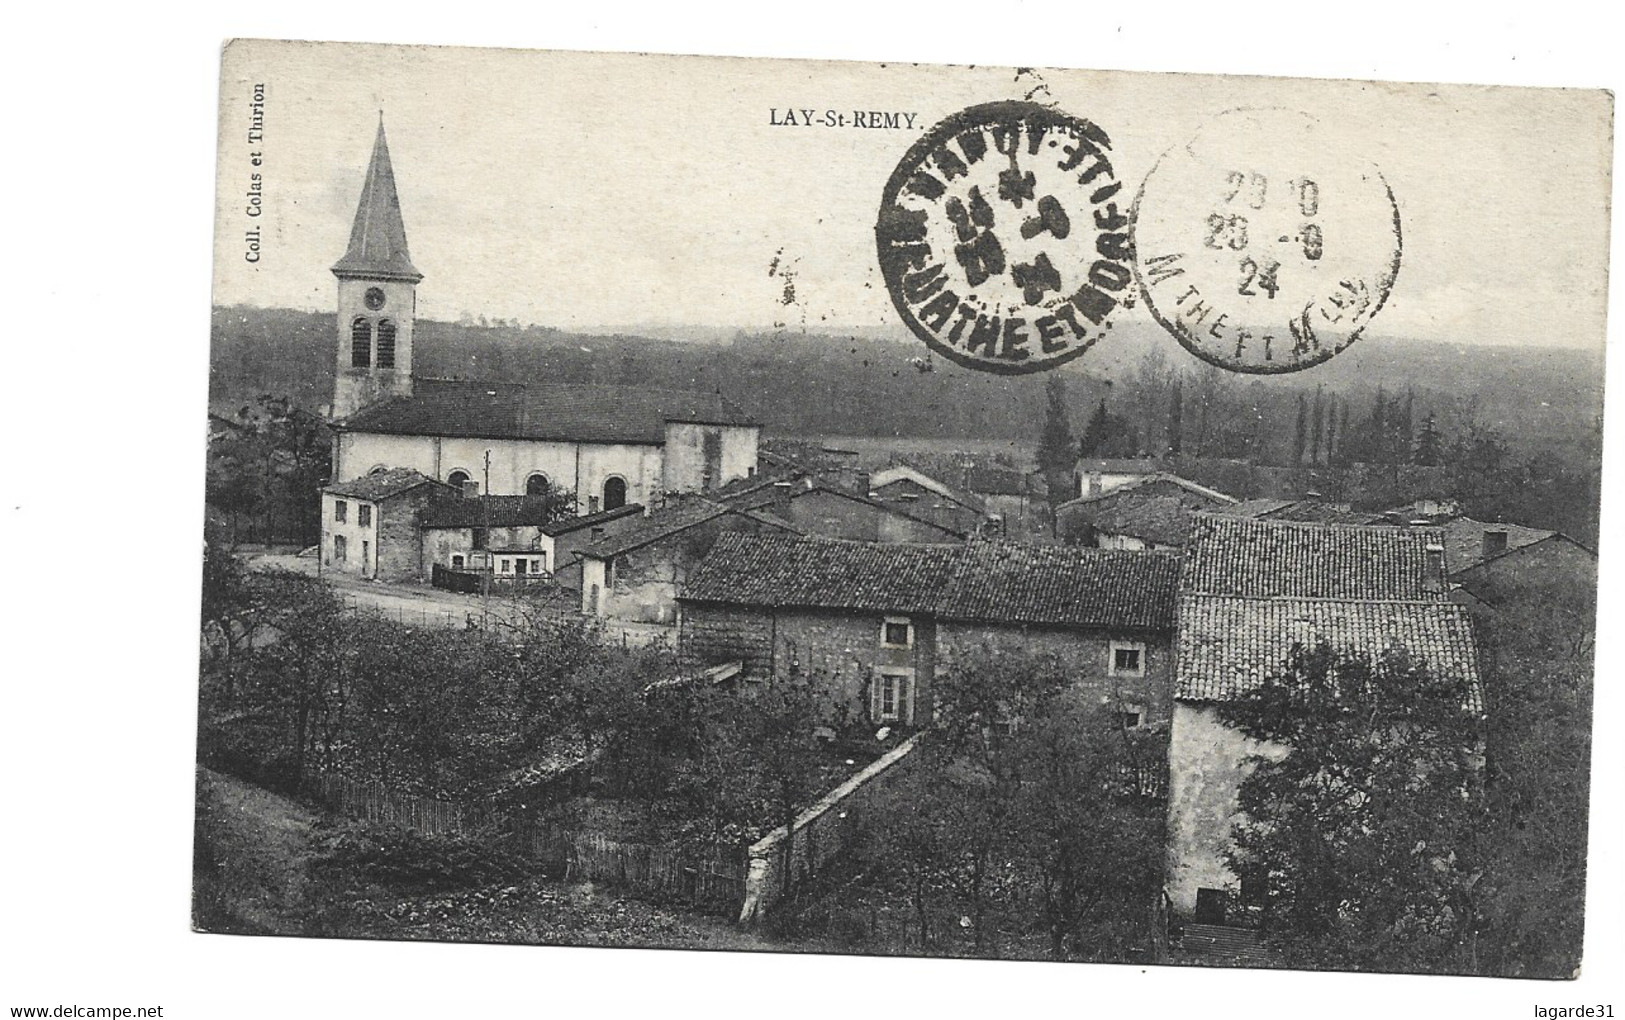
[1495, 543]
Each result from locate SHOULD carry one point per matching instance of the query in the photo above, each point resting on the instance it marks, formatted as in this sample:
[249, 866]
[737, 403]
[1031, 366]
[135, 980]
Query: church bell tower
[377, 298]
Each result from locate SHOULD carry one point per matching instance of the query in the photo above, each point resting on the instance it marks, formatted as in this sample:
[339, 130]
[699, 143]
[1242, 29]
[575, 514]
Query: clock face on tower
[375, 298]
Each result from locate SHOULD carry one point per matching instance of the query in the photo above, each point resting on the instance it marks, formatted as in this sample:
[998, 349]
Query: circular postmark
[1003, 237]
[1264, 244]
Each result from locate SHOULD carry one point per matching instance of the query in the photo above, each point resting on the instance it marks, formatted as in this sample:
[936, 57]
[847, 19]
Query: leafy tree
[1300, 441]
[1107, 435]
[1365, 835]
[1055, 451]
[1429, 451]
[1176, 401]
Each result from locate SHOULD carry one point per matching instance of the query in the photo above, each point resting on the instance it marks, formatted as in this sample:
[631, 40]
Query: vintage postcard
[902, 510]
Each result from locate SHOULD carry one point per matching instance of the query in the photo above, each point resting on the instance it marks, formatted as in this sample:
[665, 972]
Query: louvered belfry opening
[360, 343]
[386, 344]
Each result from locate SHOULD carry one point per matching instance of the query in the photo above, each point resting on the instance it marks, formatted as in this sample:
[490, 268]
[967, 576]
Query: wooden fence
[375, 802]
[713, 880]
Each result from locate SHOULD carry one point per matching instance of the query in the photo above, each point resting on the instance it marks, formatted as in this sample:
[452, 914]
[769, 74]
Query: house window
[456, 563]
[1127, 658]
[340, 552]
[897, 632]
[538, 485]
[480, 537]
[363, 514]
[341, 511]
[614, 493]
[1128, 718]
[503, 568]
[386, 343]
[360, 343]
[520, 566]
[893, 695]
[538, 565]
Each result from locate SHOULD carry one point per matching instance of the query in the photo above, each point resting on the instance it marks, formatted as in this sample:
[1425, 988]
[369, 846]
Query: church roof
[378, 238]
[567, 413]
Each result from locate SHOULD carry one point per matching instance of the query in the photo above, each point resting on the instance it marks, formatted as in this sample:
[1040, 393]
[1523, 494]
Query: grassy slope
[254, 875]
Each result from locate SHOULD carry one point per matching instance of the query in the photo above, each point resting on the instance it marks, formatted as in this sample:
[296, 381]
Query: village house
[814, 505]
[1096, 475]
[877, 623]
[1251, 592]
[514, 537]
[1012, 497]
[609, 446]
[927, 498]
[370, 524]
[1152, 512]
[636, 573]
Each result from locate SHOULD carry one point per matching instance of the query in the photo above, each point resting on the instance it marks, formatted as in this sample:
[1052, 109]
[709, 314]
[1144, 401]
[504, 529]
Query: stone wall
[1086, 654]
[819, 833]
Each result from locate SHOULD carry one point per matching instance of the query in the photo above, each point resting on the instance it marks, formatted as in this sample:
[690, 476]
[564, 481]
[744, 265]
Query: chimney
[471, 489]
[1433, 577]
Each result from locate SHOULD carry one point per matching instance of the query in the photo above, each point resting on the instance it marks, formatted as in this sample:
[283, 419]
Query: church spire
[378, 239]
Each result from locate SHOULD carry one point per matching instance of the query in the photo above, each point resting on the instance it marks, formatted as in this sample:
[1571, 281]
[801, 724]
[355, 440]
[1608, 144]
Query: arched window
[538, 485]
[360, 342]
[378, 469]
[386, 343]
[458, 479]
[614, 492]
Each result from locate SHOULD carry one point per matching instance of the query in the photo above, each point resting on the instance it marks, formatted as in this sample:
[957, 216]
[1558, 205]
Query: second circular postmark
[1003, 237]
[1265, 244]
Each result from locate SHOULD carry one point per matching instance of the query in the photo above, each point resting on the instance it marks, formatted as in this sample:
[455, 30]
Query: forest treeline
[1530, 415]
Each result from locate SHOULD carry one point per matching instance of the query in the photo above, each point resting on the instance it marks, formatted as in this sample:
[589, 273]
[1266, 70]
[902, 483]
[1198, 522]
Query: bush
[404, 860]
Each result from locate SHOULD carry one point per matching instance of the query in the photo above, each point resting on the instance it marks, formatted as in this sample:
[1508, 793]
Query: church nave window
[360, 342]
[386, 343]
[614, 493]
[537, 485]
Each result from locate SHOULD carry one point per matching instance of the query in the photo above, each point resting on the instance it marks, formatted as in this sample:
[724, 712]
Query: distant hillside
[1547, 402]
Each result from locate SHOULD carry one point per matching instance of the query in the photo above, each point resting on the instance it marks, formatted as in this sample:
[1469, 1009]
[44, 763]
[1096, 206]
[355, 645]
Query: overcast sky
[573, 190]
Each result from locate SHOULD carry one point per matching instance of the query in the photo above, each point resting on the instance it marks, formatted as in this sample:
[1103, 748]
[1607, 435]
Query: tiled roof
[688, 512]
[1119, 465]
[889, 476]
[765, 495]
[513, 512]
[1165, 520]
[1156, 508]
[1052, 584]
[568, 413]
[995, 583]
[1228, 645]
[1309, 511]
[1464, 540]
[1163, 483]
[1270, 559]
[382, 484]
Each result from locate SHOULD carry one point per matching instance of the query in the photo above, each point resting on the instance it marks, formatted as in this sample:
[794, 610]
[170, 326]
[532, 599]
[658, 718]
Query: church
[609, 445]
